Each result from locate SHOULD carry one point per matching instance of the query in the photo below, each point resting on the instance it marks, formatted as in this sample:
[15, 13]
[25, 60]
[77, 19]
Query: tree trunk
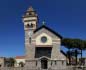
[76, 56]
[81, 56]
[69, 58]
[81, 53]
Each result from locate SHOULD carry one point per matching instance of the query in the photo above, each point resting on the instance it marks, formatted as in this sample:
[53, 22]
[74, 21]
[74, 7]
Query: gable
[48, 29]
[43, 32]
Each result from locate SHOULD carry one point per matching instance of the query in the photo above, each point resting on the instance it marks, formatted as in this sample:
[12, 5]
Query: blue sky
[67, 17]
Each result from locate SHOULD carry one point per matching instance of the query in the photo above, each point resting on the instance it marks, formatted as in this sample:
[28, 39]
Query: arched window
[31, 25]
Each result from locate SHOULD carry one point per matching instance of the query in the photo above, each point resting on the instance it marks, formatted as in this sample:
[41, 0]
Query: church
[42, 45]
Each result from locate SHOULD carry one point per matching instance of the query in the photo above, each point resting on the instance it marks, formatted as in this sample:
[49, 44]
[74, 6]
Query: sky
[67, 17]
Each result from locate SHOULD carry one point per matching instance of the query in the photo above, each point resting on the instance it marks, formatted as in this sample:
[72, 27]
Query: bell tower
[30, 20]
[42, 46]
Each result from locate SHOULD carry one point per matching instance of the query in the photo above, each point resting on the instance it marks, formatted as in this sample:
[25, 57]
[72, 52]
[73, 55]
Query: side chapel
[42, 44]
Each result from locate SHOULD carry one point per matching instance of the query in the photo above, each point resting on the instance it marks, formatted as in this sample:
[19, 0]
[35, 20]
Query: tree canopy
[74, 43]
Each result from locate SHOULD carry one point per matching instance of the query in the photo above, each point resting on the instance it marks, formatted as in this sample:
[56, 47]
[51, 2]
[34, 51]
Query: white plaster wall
[18, 61]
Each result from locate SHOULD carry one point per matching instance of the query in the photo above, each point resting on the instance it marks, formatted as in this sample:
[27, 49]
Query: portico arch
[44, 62]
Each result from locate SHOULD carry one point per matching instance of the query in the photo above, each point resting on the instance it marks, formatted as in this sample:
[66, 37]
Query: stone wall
[1, 62]
[51, 64]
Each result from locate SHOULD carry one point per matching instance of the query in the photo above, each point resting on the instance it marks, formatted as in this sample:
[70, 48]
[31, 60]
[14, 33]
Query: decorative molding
[43, 45]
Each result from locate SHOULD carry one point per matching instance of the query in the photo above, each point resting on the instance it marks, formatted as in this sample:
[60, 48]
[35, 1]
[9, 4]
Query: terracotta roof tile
[20, 57]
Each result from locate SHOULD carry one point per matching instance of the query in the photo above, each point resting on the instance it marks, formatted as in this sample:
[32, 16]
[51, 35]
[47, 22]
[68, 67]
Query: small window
[55, 62]
[36, 63]
[44, 39]
[51, 63]
[30, 40]
[62, 62]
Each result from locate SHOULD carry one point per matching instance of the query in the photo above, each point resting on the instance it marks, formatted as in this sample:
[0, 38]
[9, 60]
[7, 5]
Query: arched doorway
[44, 63]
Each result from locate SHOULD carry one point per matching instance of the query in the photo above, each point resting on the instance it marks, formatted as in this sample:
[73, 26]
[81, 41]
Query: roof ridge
[49, 29]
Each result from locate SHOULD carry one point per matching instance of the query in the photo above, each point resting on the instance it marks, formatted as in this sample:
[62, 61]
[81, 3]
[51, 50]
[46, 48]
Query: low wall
[24, 68]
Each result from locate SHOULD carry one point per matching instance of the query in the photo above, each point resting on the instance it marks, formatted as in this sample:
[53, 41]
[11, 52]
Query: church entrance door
[44, 63]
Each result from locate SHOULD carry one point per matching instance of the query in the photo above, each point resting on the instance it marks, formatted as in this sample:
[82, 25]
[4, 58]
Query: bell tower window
[30, 25]
[30, 13]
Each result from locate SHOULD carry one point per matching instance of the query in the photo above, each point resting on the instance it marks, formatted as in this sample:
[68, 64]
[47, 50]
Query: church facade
[42, 44]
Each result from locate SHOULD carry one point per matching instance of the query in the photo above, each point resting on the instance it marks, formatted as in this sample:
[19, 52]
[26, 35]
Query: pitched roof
[30, 9]
[43, 26]
[63, 53]
[20, 57]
